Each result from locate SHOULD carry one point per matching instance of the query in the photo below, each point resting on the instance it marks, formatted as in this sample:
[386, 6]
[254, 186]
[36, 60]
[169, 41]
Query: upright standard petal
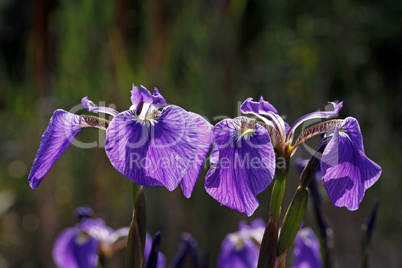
[346, 171]
[250, 106]
[204, 144]
[159, 151]
[61, 131]
[307, 250]
[246, 164]
[158, 100]
[75, 249]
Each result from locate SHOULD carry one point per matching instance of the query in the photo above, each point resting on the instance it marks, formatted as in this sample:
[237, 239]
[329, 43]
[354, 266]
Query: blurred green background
[207, 57]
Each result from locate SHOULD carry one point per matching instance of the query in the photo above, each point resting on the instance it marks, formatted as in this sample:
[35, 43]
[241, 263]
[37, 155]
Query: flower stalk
[137, 233]
[269, 242]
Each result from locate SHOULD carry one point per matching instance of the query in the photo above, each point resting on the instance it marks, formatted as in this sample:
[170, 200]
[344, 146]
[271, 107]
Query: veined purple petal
[307, 250]
[74, 249]
[346, 171]
[204, 143]
[246, 165]
[61, 131]
[91, 107]
[155, 152]
[315, 115]
[214, 156]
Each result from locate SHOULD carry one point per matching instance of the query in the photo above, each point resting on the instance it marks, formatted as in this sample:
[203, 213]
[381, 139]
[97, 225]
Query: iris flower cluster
[167, 147]
[155, 144]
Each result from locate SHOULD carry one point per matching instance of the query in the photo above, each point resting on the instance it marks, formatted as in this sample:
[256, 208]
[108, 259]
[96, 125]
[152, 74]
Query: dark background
[207, 57]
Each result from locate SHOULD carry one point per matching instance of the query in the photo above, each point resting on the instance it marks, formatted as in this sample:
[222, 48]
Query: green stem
[133, 189]
[278, 191]
[267, 256]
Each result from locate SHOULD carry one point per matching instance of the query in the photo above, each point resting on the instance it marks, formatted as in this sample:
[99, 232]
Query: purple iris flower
[306, 253]
[241, 249]
[81, 246]
[247, 152]
[147, 145]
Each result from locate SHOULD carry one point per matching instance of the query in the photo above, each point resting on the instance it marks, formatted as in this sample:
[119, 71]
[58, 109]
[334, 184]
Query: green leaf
[293, 219]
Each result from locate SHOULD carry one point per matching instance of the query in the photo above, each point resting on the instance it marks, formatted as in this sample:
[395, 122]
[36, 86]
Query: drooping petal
[306, 253]
[346, 171]
[61, 131]
[316, 115]
[91, 107]
[204, 143]
[155, 152]
[74, 249]
[214, 156]
[245, 167]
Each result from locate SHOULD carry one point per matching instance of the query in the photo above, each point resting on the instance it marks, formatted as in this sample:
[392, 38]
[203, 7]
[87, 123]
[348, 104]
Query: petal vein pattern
[157, 152]
[205, 140]
[245, 167]
[62, 129]
[347, 171]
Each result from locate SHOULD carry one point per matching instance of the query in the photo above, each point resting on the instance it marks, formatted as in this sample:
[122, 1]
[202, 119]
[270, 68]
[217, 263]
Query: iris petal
[250, 106]
[136, 97]
[307, 250]
[245, 167]
[241, 249]
[158, 100]
[214, 156]
[205, 140]
[73, 249]
[61, 131]
[239, 256]
[156, 152]
[347, 171]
